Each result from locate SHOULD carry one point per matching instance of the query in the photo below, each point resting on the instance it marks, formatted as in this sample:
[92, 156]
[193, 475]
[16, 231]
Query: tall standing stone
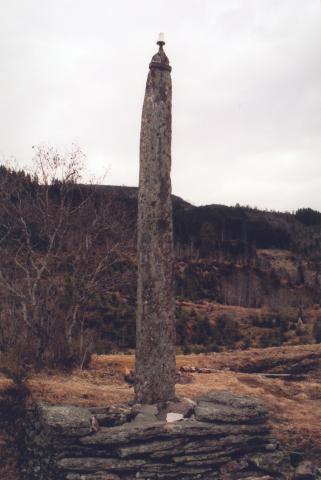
[155, 332]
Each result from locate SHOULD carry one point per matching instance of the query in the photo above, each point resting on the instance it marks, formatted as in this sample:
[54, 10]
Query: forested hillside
[68, 270]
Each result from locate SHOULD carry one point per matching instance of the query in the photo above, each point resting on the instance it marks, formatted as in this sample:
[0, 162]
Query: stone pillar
[155, 335]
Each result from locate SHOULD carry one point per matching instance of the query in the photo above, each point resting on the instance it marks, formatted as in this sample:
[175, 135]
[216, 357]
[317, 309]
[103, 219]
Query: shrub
[226, 332]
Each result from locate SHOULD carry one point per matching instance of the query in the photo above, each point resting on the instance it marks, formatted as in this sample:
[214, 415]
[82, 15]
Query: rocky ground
[288, 379]
[220, 436]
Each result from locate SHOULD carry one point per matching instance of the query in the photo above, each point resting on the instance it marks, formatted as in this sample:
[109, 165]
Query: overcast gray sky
[246, 91]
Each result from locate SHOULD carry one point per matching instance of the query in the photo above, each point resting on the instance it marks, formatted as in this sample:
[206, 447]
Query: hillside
[236, 264]
[244, 277]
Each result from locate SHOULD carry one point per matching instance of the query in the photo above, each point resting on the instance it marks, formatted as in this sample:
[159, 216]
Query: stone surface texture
[305, 471]
[230, 408]
[155, 333]
[66, 444]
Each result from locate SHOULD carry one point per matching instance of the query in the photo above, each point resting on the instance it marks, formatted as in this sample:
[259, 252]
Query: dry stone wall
[11, 408]
[220, 437]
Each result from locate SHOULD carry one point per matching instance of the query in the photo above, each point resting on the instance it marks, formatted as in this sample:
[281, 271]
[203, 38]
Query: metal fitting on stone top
[160, 59]
[161, 40]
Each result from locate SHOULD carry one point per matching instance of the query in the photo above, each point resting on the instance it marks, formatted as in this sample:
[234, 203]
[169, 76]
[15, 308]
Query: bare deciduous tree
[58, 248]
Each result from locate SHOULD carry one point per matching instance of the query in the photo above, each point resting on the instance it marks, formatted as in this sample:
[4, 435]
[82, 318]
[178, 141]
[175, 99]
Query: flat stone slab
[226, 407]
[68, 420]
[189, 427]
[98, 476]
[94, 464]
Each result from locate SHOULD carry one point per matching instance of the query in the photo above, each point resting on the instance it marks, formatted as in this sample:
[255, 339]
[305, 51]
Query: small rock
[174, 417]
[272, 462]
[129, 376]
[305, 471]
[234, 466]
[142, 418]
[145, 414]
[184, 378]
[112, 415]
[271, 447]
[94, 424]
[182, 405]
[148, 409]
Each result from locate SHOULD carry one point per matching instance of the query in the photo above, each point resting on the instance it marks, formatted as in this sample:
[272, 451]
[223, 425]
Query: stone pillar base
[220, 436]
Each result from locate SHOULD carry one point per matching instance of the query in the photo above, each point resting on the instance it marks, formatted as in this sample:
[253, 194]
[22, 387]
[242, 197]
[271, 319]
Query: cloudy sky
[246, 91]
